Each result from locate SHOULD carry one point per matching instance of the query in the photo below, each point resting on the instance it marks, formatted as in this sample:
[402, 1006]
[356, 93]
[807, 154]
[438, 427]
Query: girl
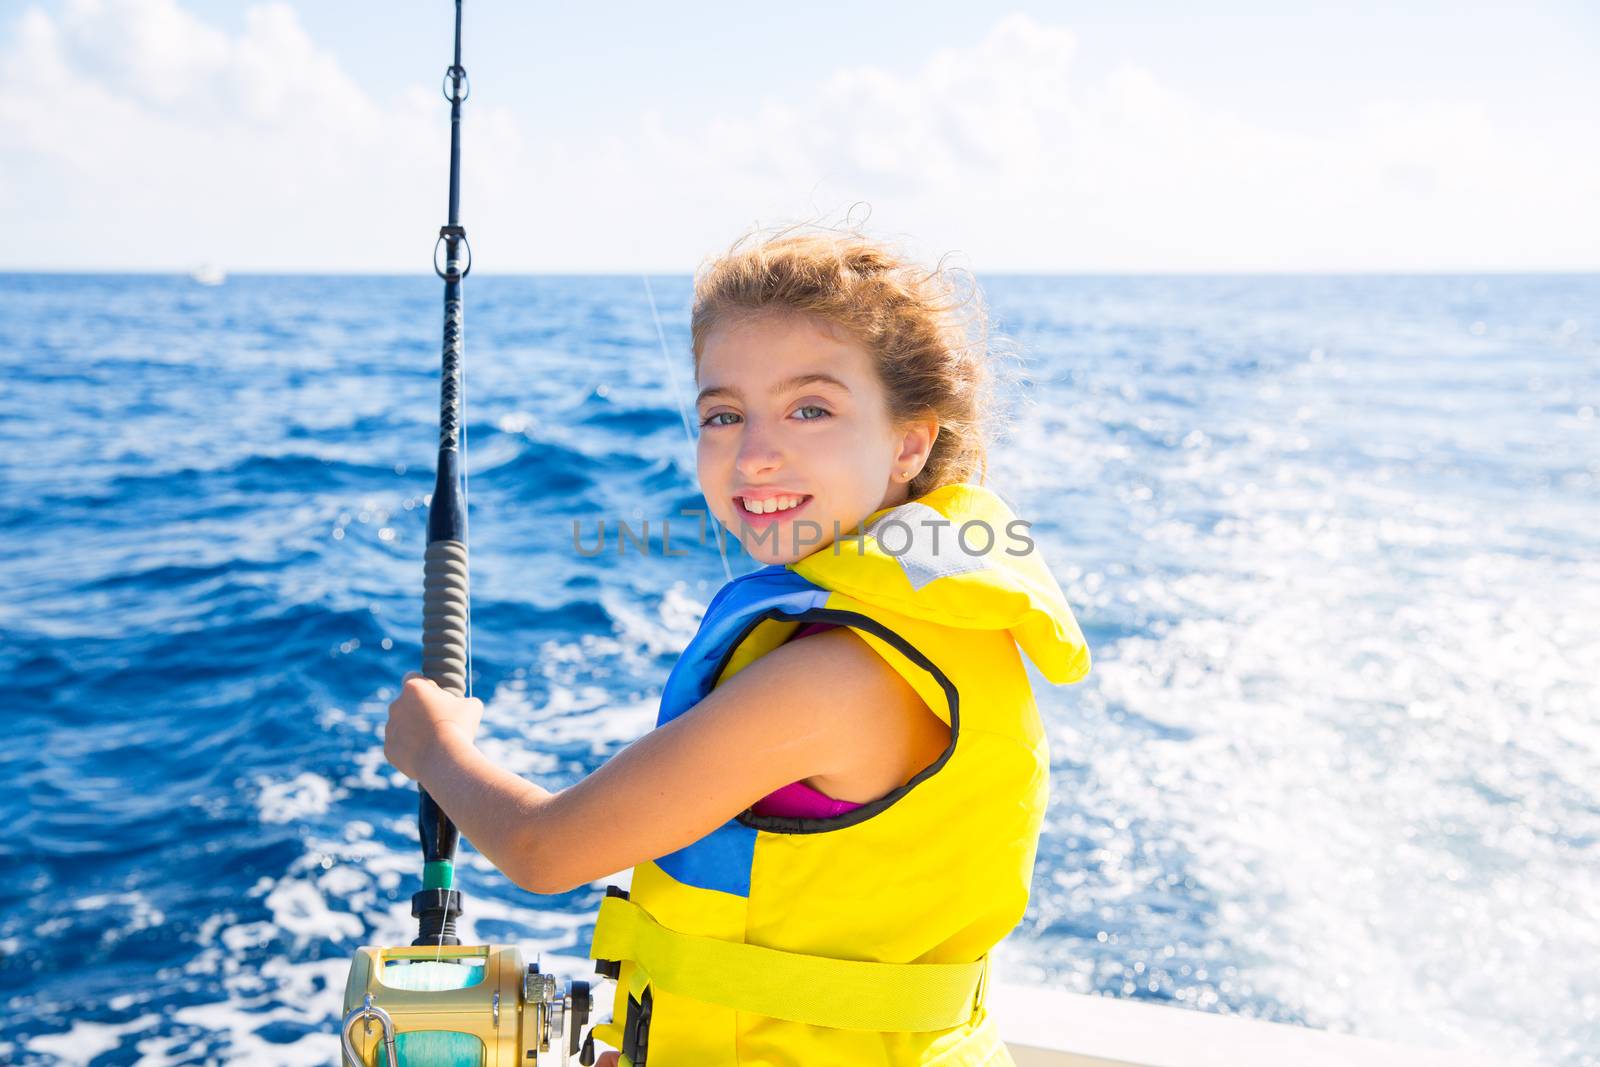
[836, 816]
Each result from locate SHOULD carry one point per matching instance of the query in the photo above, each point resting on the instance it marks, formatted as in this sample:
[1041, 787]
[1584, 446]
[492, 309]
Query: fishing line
[683, 413]
[466, 512]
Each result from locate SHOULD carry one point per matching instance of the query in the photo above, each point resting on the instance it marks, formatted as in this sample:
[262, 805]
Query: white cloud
[136, 135]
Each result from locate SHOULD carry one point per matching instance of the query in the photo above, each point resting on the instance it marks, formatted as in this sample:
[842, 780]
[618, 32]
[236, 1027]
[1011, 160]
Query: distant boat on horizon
[209, 274]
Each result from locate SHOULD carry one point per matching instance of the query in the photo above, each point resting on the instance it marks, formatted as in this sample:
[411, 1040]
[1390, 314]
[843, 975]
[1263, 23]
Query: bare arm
[814, 707]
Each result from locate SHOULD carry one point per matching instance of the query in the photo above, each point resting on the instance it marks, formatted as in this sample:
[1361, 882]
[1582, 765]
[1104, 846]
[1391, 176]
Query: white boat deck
[1047, 1028]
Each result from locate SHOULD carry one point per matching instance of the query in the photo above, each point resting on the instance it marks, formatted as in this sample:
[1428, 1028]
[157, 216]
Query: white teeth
[765, 507]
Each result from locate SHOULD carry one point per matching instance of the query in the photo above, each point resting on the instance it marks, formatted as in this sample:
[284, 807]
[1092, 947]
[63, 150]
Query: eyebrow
[782, 387]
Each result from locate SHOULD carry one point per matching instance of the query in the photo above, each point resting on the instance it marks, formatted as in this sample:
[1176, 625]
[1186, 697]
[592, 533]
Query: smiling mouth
[746, 513]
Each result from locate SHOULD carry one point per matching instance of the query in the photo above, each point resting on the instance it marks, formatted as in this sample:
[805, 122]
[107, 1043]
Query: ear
[916, 443]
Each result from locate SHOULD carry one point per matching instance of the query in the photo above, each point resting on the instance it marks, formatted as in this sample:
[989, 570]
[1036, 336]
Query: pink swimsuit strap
[798, 800]
[812, 628]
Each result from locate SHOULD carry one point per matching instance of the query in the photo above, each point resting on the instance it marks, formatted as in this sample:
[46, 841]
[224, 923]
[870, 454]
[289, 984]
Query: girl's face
[793, 411]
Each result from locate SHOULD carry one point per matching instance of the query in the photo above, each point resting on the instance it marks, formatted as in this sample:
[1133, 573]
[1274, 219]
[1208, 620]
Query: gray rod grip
[444, 615]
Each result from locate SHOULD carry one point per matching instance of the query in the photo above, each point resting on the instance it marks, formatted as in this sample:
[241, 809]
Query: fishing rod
[438, 1003]
[446, 617]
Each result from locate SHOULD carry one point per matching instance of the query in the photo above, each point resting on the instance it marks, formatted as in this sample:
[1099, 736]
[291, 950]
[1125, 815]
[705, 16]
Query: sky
[159, 135]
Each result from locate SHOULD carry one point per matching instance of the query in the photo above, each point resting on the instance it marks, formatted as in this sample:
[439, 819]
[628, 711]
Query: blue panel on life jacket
[733, 610]
[721, 859]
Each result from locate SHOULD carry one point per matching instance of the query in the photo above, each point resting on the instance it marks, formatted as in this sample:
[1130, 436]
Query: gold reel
[504, 1014]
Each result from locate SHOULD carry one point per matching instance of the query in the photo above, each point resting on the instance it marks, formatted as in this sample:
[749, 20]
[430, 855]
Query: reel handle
[367, 1010]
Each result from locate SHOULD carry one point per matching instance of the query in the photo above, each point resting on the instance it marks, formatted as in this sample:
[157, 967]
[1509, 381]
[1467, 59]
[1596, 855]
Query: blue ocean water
[1332, 540]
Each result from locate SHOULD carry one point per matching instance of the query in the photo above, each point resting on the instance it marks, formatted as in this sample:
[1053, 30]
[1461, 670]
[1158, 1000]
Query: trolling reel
[453, 1005]
[439, 1003]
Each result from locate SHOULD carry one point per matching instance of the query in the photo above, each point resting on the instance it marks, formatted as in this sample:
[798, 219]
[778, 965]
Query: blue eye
[812, 407]
[709, 419]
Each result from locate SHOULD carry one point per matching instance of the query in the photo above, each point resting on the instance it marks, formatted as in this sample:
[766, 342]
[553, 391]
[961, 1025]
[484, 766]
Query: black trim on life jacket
[785, 824]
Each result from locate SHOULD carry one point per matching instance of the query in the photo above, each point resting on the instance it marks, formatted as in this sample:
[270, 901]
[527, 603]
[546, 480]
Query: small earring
[907, 474]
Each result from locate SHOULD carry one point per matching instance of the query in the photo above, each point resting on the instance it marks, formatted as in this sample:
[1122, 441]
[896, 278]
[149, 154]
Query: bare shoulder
[883, 733]
[852, 672]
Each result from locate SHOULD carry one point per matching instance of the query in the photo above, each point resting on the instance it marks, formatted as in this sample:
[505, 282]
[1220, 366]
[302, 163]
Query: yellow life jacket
[862, 938]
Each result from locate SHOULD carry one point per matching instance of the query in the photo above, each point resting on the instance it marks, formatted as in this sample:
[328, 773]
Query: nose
[759, 453]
